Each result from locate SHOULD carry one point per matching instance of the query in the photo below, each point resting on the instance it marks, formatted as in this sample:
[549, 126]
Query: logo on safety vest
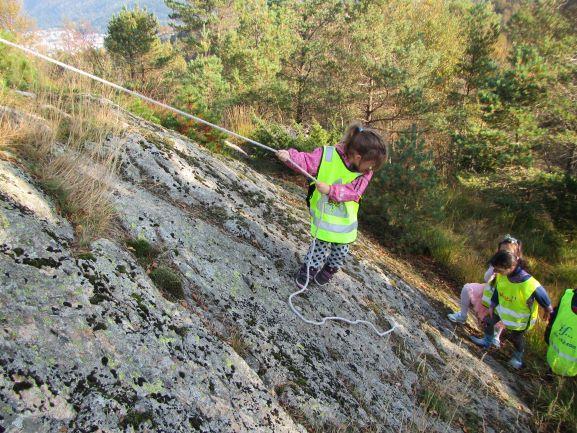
[508, 298]
[564, 330]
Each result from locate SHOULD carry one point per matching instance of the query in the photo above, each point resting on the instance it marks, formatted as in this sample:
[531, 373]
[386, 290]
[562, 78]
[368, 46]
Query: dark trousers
[516, 337]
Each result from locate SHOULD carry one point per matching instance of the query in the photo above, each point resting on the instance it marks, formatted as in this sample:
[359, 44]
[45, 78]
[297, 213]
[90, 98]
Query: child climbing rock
[514, 302]
[343, 172]
[479, 295]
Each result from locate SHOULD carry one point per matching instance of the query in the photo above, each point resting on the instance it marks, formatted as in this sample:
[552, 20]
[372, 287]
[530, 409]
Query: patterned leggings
[337, 253]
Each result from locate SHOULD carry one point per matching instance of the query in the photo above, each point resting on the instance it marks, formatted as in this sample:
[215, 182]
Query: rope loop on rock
[335, 318]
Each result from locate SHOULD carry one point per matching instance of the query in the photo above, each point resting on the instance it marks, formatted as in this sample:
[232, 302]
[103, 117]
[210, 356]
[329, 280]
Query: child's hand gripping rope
[284, 156]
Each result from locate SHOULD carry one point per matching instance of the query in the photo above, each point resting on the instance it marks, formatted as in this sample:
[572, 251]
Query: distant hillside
[52, 13]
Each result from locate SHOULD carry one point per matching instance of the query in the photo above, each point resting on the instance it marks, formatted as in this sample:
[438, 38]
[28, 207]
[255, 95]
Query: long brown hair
[367, 142]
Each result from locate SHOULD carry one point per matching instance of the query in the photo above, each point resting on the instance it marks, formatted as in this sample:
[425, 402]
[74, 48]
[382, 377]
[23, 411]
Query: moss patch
[167, 280]
[144, 251]
[87, 256]
[40, 262]
[134, 418]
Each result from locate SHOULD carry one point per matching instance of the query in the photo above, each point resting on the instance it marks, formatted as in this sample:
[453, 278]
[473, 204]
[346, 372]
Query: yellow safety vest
[513, 309]
[488, 291]
[339, 220]
[562, 351]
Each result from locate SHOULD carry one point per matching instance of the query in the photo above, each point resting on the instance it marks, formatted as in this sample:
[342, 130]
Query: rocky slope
[90, 344]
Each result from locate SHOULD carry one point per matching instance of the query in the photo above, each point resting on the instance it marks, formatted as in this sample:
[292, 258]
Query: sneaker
[516, 360]
[457, 317]
[516, 364]
[496, 342]
[484, 342]
[325, 275]
[301, 276]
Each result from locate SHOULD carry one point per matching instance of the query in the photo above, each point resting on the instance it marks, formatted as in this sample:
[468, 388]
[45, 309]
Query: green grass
[554, 400]
[434, 403]
[167, 280]
[144, 251]
[460, 231]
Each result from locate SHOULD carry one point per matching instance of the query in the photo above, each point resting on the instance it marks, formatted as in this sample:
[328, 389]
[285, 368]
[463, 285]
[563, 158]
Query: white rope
[147, 99]
[220, 128]
[335, 318]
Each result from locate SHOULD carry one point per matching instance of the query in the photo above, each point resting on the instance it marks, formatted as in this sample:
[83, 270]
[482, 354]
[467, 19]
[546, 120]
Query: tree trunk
[132, 69]
[369, 104]
[571, 168]
[299, 109]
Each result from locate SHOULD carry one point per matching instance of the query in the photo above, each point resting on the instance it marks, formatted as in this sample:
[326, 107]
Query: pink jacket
[310, 162]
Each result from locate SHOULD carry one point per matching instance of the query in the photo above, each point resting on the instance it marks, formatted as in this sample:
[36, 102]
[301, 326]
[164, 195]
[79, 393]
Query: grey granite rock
[91, 344]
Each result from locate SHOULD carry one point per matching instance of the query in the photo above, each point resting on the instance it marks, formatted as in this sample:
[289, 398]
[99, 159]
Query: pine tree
[483, 30]
[195, 22]
[405, 187]
[313, 68]
[547, 30]
[132, 35]
[403, 55]
[252, 52]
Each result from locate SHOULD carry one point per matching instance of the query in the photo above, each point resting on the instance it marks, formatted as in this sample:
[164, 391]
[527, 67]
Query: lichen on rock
[92, 341]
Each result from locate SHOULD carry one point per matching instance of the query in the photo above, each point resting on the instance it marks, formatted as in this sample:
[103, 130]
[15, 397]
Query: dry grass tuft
[240, 119]
[63, 138]
[82, 192]
[239, 344]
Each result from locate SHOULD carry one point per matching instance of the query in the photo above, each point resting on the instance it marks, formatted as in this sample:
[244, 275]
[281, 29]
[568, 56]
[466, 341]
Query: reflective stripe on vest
[562, 351]
[513, 297]
[336, 228]
[487, 294]
[563, 355]
[516, 325]
[328, 153]
[339, 220]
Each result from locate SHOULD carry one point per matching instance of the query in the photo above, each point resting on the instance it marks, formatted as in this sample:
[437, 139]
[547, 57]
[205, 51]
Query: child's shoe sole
[517, 365]
[456, 318]
[480, 341]
[320, 284]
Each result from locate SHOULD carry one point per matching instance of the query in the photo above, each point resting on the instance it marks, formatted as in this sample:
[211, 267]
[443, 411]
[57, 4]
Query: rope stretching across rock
[226, 131]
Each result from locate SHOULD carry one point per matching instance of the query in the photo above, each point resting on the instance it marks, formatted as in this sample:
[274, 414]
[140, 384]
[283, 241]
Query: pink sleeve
[309, 162]
[350, 191]
[489, 274]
